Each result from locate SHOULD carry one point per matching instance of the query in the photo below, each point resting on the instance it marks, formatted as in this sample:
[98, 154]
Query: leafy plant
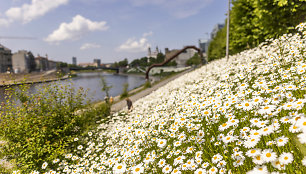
[125, 92]
[41, 126]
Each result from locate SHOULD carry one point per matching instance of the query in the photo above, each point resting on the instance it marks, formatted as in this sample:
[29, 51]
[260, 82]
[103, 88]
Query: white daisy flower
[302, 138]
[167, 169]
[294, 129]
[44, 165]
[213, 170]
[161, 143]
[200, 171]
[161, 162]
[268, 155]
[119, 168]
[286, 158]
[176, 171]
[253, 152]
[304, 161]
[281, 141]
[258, 160]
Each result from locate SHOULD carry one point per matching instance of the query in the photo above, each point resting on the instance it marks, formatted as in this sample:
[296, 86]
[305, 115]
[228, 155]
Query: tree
[160, 58]
[216, 48]
[123, 63]
[194, 60]
[254, 21]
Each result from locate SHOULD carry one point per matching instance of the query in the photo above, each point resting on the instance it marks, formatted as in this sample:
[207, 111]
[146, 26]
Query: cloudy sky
[110, 30]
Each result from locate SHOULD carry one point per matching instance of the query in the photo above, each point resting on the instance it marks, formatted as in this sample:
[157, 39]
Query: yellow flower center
[268, 155]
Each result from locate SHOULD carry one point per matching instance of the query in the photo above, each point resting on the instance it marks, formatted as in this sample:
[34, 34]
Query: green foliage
[254, 21]
[142, 62]
[171, 63]
[216, 48]
[122, 63]
[39, 127]
[61, 65]
[125, 92]
[147, 84]
[160, 58]
[194, 60]
[145, 61]
[105, 87]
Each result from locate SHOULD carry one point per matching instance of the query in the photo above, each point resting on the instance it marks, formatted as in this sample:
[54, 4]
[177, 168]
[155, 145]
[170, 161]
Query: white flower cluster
[245, 115]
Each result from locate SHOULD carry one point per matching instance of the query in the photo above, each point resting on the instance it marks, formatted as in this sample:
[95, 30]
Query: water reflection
[92, 83]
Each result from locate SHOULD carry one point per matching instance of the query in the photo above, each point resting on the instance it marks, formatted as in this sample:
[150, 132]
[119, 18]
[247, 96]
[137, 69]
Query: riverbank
[30, 78]
[143, 91]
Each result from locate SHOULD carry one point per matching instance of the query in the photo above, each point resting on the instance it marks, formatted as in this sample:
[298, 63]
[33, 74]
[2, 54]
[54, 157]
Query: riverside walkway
[122, 104]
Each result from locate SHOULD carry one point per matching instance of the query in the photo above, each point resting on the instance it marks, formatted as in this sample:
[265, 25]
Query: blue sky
[110, 30]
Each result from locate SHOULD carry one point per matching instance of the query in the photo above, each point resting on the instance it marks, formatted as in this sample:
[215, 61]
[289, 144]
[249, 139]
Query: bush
[39, 127]
[125, 92]
[147, 84]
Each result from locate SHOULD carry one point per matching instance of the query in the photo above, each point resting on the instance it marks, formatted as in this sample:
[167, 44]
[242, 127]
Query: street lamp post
[227, 31]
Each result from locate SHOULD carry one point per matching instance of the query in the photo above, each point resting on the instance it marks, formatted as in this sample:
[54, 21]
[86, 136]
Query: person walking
[129, 104]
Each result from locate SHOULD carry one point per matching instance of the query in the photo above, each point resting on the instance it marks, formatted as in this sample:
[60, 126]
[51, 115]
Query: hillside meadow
[242, 115]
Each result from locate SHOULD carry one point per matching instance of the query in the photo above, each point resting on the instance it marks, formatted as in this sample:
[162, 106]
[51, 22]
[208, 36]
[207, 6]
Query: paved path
[122, 104]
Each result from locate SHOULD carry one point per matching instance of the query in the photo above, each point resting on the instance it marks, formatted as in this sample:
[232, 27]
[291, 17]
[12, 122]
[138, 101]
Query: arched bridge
[172, 57]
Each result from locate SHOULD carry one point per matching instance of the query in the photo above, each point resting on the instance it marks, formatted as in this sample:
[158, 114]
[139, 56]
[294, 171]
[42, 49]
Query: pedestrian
[111, 100]
[129, 104]
[106, 99]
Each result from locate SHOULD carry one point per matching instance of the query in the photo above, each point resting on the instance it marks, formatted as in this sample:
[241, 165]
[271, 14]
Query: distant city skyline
[110, 30]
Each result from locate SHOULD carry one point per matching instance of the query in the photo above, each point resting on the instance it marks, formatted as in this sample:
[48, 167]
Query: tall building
[23, 62]
[215, 30]
[74, 60]
[97, 62]
[42, 63]
[5, 59]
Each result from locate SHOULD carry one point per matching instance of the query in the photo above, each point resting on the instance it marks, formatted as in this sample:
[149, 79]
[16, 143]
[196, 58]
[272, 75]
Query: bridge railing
[171, 58]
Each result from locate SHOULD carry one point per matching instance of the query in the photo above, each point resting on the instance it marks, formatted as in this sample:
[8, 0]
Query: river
[91, 81]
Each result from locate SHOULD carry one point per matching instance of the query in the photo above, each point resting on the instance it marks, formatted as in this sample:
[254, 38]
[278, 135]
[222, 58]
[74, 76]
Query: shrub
[40, 126]
[147, 84]
[125, 92]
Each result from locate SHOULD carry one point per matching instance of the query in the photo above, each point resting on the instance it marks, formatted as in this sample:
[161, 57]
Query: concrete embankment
[13, 83]
[121, 104]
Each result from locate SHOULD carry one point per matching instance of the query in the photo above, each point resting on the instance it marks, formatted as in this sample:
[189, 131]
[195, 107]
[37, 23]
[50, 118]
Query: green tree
[254, 21]
[160, 58]
[194, 60]
[123, 63]
[216, 48]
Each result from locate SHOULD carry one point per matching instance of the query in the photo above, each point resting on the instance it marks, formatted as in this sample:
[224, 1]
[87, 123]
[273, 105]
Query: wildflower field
[244, 115]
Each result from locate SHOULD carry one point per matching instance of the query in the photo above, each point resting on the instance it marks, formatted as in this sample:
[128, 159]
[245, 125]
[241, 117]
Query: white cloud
[4, 22]
[29, 12]
[147, 34]
[133, 45]
[75, 29]
[89, 46]
[176, 8]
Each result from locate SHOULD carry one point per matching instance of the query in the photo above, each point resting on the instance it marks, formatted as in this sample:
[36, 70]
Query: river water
[92, 82]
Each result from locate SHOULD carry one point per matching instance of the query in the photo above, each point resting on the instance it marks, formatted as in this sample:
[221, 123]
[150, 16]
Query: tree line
[254, 21]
